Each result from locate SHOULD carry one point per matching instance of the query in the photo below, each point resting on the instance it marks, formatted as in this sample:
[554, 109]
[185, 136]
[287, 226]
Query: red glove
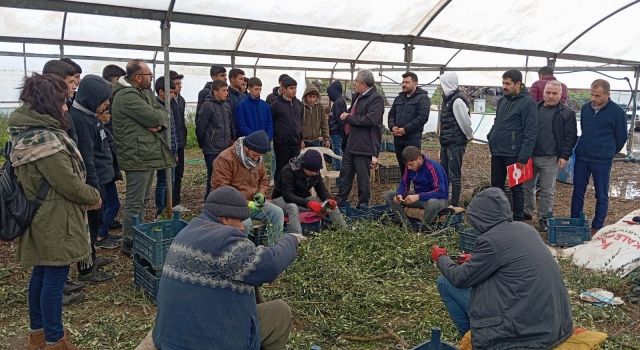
[463, 258]
[316, 207]
[332, 204]
[437, 252]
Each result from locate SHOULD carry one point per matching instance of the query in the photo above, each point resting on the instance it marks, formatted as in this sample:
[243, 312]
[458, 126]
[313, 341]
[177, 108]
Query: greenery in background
[436, 99]
[576, 98]
[4, 136]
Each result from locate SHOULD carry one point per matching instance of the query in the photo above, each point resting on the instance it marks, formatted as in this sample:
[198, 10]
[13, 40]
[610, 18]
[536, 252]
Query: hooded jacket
[537, 89]
[273, 95]
[410, 112]
[365, 124]
[133, 111]
[336, 127]
[604, 133]
[213, 128]
[314, 122]
[253, 114]
[294, 186]
[455, 121]
[235, 97]
[287, 121]
[93, 142]
[518, 298]
[230, 171]
[515, 128]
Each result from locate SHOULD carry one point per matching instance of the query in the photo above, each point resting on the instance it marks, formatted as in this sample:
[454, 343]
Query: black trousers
[451, 160]
[354, 165]
[498, 177]
[283, 154]
[399, 143]
[178, 174]
[94, 217]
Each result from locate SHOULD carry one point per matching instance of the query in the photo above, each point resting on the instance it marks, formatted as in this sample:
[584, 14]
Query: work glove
[463, 258]
[316, 207]
[300, 238]
[437, 252]
[332, 204]
[259, 198]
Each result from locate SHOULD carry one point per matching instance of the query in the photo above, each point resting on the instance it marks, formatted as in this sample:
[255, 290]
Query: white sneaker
[180, 208]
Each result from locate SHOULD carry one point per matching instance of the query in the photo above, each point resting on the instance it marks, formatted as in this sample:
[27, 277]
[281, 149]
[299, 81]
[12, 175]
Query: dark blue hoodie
[604, 133]
[336, 127]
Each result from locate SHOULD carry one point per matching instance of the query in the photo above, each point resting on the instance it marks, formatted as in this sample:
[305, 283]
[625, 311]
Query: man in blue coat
[206, 299]
[604, 133]
[253, 113]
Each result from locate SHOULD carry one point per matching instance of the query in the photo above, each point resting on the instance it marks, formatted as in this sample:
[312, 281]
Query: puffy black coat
[213, 127]
[287, 121]
[410, 113]
[294, 186]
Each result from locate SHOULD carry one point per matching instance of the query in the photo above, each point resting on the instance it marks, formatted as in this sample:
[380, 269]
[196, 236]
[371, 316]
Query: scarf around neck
[242, 156]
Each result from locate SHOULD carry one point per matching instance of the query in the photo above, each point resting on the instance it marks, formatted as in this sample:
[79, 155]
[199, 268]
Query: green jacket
[58, 234]
[133, 111]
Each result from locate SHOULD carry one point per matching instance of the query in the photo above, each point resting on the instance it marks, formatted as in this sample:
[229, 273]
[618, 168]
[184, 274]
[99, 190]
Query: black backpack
[16, 211]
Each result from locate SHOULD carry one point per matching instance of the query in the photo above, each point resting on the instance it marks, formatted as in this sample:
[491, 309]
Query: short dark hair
[289, 81]
[160, 84]
[235, 72]
[73, 64]
[603, 84]
[215, 70]
[59, 68]
[412, 75]
[282, 76]
[411, 153]
[546, 70]
[254, 82]
[513, 74]
[217, 85]
[111, 71]
[133, 67]
[46, 94]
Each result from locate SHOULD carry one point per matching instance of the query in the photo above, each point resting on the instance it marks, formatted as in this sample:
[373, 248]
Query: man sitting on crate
[291, 192]
[510, 293]
[429, 184]
[206, 295]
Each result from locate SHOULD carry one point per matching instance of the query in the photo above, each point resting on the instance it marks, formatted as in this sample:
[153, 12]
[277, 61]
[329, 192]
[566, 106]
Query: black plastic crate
[468, 237]
[567, 232]
[389, 174]
[146, 278]
[151, 241]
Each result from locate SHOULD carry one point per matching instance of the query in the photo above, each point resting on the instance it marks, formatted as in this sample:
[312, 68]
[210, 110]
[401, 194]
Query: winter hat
[227, 202]
[311, 160]
[258, 141]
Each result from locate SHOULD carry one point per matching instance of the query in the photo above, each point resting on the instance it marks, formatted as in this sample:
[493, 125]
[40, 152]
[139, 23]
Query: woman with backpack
[58, 235]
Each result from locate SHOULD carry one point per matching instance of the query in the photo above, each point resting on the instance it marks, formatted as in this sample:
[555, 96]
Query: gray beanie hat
[227, 202]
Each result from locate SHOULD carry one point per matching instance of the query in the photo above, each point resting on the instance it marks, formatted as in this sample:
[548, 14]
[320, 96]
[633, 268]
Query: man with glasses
[138, 121]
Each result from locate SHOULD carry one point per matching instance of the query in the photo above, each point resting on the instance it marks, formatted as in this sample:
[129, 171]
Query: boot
[62, 344]
[36, 340]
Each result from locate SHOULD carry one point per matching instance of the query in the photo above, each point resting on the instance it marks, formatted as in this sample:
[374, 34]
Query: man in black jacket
[557, 135]
[408, 115]
[363, 133]
[181, 139]
[513, 135]
[287, 113]
[236, 94]
[277, 91]
[292, 191]
[216, 73]
[336, 127]
[510, 293]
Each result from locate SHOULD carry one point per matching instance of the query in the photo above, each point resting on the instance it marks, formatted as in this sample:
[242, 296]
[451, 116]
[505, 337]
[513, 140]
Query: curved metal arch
[362, 51]
[64, 25]
[431, 16]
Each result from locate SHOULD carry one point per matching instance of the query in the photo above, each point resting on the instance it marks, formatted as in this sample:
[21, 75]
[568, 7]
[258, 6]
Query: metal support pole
[526, 69]
[551, 62]
[64, 25]
[408, 55]
[24, 58]
[633, 115]
[166, 41]
[255, 67]
[353, 69]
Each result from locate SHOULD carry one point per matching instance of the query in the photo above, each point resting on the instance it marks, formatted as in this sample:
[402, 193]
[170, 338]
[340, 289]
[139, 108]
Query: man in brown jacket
[242, 167]
[315, 125]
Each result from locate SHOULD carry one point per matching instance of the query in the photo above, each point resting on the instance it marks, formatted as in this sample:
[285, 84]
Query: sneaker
[107, 243]
[181, 209]
[116, 225]
[95, 276]
[102, 261]
[542, 224]
[71, 287]
[73, 298]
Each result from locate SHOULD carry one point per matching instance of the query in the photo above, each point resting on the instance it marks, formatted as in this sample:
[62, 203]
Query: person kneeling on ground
[206, 299]
[292, 195]
[510, 292]
[429, 184]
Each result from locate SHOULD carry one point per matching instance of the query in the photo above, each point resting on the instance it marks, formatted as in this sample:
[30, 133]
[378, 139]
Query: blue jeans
[272, 216]
[110, 207]
[457, 302]
[161, 190]
[336, 146]
[601, 175]
[45, 300]
[208, 161]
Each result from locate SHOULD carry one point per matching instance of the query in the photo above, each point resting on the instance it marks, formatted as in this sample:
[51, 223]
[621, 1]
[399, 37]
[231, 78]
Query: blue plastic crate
[389, 146]
[568, 232]
[468, 237]
[310, 227]
[146, 278]
[151, 241]
[435, 343]
[378, 211]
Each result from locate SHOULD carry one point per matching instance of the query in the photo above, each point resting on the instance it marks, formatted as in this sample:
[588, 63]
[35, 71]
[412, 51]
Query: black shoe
[102, 261]
[527, 217]
[95, 276]
[116, 225]
[73, 298]
[107, 243]
[71, 287]
[542, 224]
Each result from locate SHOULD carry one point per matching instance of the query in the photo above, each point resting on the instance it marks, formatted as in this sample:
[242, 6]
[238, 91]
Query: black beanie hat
[311, 160]
[258, 141]
[227, 202]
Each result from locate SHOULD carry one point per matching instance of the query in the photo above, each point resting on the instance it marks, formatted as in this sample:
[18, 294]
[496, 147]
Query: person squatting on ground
[292, 190]
[430, 187]
[513, 135]
[557, 135]
[242, 166]
[408, 115]
[287, 112]
[315, 125]
[57, 236]
[363, 136]
[214, 269]
[455, 132]
[510, 292]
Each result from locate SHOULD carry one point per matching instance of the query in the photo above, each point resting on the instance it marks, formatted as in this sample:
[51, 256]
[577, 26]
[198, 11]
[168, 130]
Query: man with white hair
[363, 133]
[557, 135]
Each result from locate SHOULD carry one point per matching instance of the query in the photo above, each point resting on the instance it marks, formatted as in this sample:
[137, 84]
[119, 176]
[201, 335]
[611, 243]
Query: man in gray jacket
[510, 292]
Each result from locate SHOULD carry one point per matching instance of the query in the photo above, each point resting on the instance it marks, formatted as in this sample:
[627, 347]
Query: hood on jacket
[310, 88]
[122, 83]
[207, 85]
[26, 117]
[276, 91]
[448, 82]
[334, 90]
[92, 92]
[488, 209]
[295, 162]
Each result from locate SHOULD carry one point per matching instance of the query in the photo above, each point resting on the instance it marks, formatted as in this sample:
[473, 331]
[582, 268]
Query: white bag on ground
[614, 248]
